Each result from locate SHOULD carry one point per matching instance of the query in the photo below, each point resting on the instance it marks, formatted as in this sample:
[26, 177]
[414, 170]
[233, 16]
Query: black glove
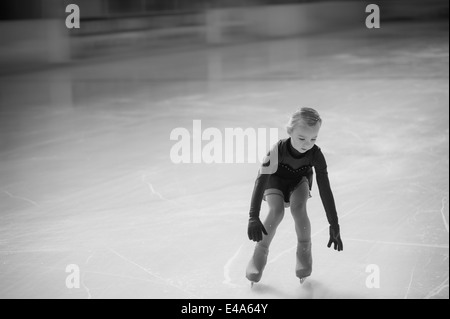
[255, 229]
[335, 238]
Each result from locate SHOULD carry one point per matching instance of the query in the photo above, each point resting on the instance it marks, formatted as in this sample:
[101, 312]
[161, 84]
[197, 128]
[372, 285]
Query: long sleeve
[325, 192]
[268, 167]
[258, 193]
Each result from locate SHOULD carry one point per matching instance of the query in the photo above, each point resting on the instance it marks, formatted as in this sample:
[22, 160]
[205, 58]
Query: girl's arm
[269, 166]
[258, 193]
[255, 227]
[325, 192]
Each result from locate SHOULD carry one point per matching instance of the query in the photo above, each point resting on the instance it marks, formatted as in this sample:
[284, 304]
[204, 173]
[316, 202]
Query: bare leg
[298, 201]
[258, 261]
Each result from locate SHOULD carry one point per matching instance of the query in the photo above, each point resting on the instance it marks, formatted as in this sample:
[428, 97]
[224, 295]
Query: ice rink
[86, 177]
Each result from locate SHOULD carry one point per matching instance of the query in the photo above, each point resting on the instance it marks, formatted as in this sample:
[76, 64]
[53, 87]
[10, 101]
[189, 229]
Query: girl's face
[303, 137]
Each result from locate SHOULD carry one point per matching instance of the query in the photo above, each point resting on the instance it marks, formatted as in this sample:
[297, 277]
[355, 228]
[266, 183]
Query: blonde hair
[305, 115]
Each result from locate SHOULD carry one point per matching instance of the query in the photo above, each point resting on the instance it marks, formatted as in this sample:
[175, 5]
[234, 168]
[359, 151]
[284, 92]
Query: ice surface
[86, 176]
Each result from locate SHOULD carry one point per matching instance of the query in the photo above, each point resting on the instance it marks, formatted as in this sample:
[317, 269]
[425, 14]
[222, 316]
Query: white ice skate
[256, 265]
[303, 266]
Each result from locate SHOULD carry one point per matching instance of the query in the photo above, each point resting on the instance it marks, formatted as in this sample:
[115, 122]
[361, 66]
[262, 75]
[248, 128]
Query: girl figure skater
[288, 184]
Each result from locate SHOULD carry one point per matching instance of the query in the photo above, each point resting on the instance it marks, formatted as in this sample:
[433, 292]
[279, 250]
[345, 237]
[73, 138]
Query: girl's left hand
[335, 238]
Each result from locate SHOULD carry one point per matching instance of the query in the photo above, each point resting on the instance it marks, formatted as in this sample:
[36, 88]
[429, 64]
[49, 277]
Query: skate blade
[253, 277]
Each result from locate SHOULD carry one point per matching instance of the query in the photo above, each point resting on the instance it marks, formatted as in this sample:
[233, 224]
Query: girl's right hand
[255, 229]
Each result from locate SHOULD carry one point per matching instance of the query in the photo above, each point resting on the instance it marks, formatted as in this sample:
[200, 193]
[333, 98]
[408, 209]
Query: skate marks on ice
[155, 275]
[112, 273]
[436, 292]
[227, 269]
[442, 211]
[268, 291]
[21, 198]
[310, 289]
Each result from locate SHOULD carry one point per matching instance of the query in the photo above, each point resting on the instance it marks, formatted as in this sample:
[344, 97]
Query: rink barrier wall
[48, 41]
[102, 36]
[227, 25]
[28, 43]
